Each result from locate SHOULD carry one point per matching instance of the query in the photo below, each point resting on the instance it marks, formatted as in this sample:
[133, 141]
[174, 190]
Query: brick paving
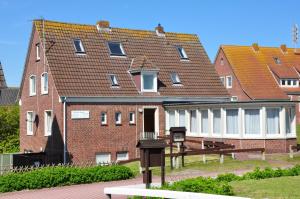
[95, 190]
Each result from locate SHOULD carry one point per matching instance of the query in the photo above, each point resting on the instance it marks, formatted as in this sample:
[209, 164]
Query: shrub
[60, 176]
[228, 177]
[201, 185]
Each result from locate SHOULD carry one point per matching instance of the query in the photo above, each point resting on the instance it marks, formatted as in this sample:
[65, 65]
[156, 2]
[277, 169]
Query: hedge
[61, 176]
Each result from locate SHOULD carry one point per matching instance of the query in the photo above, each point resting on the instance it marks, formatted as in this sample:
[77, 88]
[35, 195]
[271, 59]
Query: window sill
[118, 56]
[118, 124]
[80, 53]
[104, 124]
[132, 124]
[29, 134]
[48, 135]
[31, 95]
[44, 93]
[37, 60]
[185, 59]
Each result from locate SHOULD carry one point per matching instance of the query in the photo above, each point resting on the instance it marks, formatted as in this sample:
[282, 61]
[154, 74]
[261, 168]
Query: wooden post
[182, 155]
[171, 153]
[162, 172]
[263, 155]
[177, 162]
[147, 169]
[140, 167]
[291, 151]
[203, 156]
[221, 158]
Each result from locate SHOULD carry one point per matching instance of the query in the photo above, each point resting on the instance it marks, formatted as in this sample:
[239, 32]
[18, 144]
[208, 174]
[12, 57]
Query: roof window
[175, 78]
[78, 46]
[113, 80]
[182, 52]
[116, 49]
[277, 60]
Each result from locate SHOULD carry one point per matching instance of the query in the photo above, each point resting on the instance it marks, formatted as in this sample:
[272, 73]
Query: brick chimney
[160, 30]
[255, 47]
[283, 48]
[103, 25]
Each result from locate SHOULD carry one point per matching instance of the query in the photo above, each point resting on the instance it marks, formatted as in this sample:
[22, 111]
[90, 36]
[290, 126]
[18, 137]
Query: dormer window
[175, 78]
[116, 49]
[113, 80]
[182, 52]
[277, 60]
[149, 81]
[78, 46]
[289, 83]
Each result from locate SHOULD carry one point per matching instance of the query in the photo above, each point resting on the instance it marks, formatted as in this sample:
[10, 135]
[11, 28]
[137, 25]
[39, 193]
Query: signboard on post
[177, 134]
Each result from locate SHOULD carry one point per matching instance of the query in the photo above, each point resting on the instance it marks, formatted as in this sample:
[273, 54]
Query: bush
[201, 185]
[60, 176]
[228, 177]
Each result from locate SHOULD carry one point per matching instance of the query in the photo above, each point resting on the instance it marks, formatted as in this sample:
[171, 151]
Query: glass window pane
[204, 121]
[115, 48]
[272, 121]
[148, 81]
[217, 121]
[182, 118]
[232, 121]
[193, 121]
[171, 119]
[252, 121]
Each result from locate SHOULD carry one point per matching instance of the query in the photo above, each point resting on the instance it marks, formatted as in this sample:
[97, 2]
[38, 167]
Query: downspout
[65, 129]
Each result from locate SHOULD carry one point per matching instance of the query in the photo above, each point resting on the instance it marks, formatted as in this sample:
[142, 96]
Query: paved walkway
[95, 190]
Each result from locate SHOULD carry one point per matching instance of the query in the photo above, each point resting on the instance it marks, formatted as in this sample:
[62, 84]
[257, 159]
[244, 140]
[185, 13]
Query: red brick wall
[86, 137]
[297, 107]
[226, 70]
[39, 103]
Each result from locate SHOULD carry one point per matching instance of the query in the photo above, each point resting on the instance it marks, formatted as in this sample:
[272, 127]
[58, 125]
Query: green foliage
[228, 177]
[60, 176]
[201, 185]
[9, 129]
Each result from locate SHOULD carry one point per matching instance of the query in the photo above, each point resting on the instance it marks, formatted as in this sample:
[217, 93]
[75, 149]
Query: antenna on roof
[295, 32]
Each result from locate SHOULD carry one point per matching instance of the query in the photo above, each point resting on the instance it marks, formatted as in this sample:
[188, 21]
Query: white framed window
[222, 61]
[149, 82]
[216, 121]
[131, 118]
[171, 114]
[228, 81]
[118, 118]
[193, 121]
[182, 52]
[204, 121]
[103, 118]
[116, 49]
[181, 118]
[44, 83]
[113, 80]
[78, 46]
[289, 117]
[175, 78]
[38, 52]
[80, 114]
[272, 120]
[29, 122]
[48, 122]
[252, 121]
[32, 85]
[103, 158]
[122, 156]
[234, 98]
[223, 80]
[289, 82]
[232, 121]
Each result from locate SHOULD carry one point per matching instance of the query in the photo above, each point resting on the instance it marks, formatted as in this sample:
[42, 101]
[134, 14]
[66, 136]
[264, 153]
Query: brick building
[255, 73]
[89, 92]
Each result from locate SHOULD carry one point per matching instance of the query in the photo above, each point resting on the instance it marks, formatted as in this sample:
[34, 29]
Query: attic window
[113, 80]
[78, 46]
[116, 49]
[175, 78]
[277, 60]
[182, 52]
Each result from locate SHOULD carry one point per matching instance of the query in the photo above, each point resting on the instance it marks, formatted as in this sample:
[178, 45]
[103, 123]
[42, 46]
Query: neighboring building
[8, 95]
[260, 73]
[94, 90]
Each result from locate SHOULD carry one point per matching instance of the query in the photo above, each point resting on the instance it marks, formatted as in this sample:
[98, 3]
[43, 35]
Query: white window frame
[284, 83]
[43, 90]
[122, 152]
[118, 120]
[121, 48]
[103, 153]
[38, 51]
[227, 81]
[131, 121]
[227, 134]
[46, 132]
[154, 81]
[32, 92]
[28, 132]
[82, 50]
[182, 51]
[212, 122]
[105, 118]
[113, 80]
[222, 78]
[200, 122]
[175, 78]
[259, 135]
[234, 98]
[190, 121]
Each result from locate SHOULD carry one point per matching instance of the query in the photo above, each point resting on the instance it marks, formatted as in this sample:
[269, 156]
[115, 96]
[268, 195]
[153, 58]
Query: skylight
[175, 78]
[116, 49]
[182, 52]
[277, 60]
[78, 46]
[113, 80]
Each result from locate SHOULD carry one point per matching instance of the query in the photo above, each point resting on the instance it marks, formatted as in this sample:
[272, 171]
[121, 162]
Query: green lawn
[273, 188]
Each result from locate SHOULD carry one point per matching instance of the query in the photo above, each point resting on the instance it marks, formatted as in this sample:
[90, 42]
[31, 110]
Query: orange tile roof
[253, 69]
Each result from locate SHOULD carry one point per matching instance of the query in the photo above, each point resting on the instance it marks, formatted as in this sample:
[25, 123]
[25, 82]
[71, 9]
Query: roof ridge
[276, 47]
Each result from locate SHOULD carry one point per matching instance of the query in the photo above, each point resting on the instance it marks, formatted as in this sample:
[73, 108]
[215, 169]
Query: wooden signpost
[152, 154]
[177, 135]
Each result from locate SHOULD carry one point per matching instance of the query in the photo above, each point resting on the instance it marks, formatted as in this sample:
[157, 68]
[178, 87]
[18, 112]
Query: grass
[273, 188]
[298, 133]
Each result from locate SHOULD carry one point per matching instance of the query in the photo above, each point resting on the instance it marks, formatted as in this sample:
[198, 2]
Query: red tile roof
[86, 75]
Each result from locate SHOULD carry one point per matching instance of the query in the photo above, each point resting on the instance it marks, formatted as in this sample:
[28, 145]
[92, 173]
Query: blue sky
[216, 22]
